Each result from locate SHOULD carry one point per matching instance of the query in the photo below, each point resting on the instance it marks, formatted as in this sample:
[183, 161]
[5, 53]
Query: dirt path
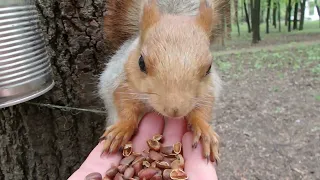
[268, 114]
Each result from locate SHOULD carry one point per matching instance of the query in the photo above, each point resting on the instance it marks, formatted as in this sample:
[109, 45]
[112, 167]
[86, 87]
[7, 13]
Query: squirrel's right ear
[205, 17]
[150, 15]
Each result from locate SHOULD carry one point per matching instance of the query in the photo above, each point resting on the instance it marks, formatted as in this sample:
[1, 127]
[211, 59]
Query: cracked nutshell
[157, 163]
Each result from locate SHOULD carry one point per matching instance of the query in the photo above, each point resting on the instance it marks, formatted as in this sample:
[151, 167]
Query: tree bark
[303, 7]
[228, 19]
[38, 142]
[295, 20]
[274, 14]
[318, 10]
[286, 16]
[261, 16]
[255, 18]
[247, 16]
[223, 29]
[268, 16]
[249, 9]
[242, 14]
[236, 15]
[279, 15]
[289, 7]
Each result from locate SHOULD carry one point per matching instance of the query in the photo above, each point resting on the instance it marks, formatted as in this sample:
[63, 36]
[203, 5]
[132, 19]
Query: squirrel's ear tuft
[205, 17]
[150, 15]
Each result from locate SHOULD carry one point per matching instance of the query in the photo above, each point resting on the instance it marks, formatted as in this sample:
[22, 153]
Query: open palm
[173, 130]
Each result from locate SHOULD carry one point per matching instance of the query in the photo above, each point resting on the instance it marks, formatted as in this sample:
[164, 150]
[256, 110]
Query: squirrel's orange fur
[122, 17]
[120, 21]
[177, 82]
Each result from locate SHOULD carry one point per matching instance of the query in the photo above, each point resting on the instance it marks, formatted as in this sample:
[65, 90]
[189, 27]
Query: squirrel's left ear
[150, 16]
[205, 17]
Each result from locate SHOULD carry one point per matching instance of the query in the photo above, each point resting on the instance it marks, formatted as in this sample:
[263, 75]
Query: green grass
[316, 69]
[291, 58]
[224, 66]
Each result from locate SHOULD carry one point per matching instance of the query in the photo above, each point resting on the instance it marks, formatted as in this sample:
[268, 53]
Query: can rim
[4, 3]
[27, 97]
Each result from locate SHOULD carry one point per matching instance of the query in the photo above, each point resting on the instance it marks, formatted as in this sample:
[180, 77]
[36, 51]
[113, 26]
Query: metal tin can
[25, 69]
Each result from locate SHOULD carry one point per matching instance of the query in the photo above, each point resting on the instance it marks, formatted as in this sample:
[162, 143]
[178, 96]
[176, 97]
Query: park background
[267, 117]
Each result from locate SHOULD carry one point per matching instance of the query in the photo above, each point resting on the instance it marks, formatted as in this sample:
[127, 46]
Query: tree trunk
[274, 15]
[228, 19]
[303, 7]
[279, 16]
[242, 14]
[286, 16]
[261, 16]
[295, 20]
[318, 10]
[268, 15]
[236, 15]
[247, 16]
[255, 18]
[223, 29]
[249, 9]
[40, 141]
[289, 7]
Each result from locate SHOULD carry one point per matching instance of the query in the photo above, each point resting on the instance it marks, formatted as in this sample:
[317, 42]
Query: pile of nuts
[159, 162]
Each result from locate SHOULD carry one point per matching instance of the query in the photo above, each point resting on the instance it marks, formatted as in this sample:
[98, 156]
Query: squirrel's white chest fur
[113, 75]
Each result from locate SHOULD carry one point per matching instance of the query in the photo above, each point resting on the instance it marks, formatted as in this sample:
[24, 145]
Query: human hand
[173, 130]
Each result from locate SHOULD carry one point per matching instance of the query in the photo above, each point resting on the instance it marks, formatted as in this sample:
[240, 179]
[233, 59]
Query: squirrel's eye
[208, 71]
[142, 64]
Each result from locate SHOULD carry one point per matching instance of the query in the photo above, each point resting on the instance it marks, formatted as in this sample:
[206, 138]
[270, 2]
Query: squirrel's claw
[196, 136]
[101, 139]
[194, 145]
[116, 136]
[209, 140]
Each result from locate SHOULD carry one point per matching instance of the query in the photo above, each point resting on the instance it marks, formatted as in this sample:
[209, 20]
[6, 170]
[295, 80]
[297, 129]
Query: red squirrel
[162, 63]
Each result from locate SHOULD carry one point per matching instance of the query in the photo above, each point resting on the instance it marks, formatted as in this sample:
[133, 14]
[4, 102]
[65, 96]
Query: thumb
[196, 166]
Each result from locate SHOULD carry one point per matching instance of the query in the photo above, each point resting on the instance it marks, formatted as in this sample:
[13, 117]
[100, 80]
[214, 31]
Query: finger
[150, 125]
[96, 163]
[196, 166]
[174, 130]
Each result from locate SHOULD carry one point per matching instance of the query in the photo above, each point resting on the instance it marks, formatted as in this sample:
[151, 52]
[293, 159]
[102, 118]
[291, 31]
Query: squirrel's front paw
[209, 140]
[116, 136]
